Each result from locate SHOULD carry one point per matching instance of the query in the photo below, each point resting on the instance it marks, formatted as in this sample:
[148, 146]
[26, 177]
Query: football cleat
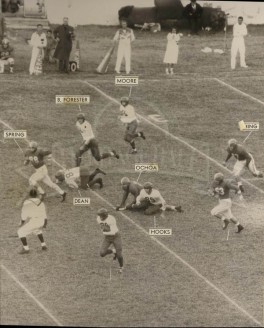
[133, 151]
[179, 209]
[239, 228]
[63, 196]
[242, 189]
[225, 224]
[23, 251]
[260, 175]
[44, 247]
[142, 135]
[115, 154]
[120, 270]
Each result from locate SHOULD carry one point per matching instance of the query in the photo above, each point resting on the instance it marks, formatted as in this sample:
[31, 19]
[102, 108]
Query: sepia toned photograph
[132, 162]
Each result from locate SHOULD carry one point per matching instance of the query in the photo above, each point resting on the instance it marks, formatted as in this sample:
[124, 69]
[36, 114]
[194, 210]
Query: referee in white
[238, 43]
[33, 219]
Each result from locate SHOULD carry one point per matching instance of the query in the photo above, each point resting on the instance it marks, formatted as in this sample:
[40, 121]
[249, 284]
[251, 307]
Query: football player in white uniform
[33, 219]
[112, 236]
[129, 117]
[79, 177]
[89, 141]
[151, 202]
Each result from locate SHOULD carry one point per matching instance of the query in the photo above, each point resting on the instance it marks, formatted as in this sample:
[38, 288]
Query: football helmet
[124, 100]
[80, 116]
[5, 42]
[148, 185]
[60, 175]
[232, 142]
[33, 144]
[103, 213]
[219, 177]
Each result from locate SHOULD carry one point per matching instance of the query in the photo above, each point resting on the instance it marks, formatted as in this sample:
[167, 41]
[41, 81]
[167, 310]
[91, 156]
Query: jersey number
[68, 175]
[34, 159]
[220, 191]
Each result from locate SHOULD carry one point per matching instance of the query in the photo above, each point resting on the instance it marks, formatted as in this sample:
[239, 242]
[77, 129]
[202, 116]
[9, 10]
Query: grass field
[196, 277]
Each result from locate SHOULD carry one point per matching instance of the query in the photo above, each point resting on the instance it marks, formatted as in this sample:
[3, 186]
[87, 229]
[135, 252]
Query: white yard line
[50, 315]
[167, 249]
[174, 137]
[229, 86]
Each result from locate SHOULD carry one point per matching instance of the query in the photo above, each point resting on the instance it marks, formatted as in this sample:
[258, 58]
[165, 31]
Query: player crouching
[35, 156]
[244, 159]
[33, 219]
[79, 177]
[111, 237]
[6, 56]
[129, 117]
[151, 202]
[221, 189]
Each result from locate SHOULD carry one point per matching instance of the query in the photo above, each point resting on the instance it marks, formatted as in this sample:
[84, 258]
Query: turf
[156, 288]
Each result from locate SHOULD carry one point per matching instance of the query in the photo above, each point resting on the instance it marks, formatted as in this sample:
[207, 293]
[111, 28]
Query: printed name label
[248, 126]
[81, 201]
[69, 100]
[126, 80]
[16, 134]
[146, 167]
[160, 232]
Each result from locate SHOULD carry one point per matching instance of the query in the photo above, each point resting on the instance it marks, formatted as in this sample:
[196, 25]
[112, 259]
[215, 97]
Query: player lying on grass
[151, 202]
[129, 117]
[79, 177]
[35, 156]
[129, 187]
[111, 237]
[89, 141]
[6, 56]
[244, 159]
[33, 219]
[221, 189]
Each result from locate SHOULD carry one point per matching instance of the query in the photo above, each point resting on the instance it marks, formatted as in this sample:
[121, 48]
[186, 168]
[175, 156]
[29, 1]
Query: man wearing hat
[111, 237]
[151, 202]
[64, 34]
[193, 12]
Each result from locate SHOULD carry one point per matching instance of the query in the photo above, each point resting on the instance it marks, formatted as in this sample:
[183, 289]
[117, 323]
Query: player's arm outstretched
[124, 198]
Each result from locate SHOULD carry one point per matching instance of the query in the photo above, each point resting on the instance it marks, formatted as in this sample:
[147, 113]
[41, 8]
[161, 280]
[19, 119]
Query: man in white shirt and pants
[124, 36]
[38, 42]
[238, 43]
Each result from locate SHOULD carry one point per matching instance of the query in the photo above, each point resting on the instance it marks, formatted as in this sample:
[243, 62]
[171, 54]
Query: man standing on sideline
[64, 34]
[238, 43]
[38, 42]
[50, 49]
[193, 12]
[124, 36]
[33, 219]
[111, 237]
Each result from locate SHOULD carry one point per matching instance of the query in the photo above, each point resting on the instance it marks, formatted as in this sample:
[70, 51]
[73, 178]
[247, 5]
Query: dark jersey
[239, 152]
[133, 188]
[36, 158]
[223, 188]
[6, 53]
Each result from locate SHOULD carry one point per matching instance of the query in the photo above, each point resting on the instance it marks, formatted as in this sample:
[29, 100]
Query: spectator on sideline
[193, 12]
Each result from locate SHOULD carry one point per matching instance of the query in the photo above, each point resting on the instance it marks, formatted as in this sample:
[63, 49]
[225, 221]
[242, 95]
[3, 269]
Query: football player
[89, 141]
[111, 237]
[244, 159]
[129, 117]
[79, 177]
[151, 202]
[6, 56]
[33, 219]
[221, 189]
[35, 156]
[129, 187]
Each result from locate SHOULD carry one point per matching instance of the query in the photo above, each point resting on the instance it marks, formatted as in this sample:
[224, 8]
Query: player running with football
[79, 177]
[35, 156]
[221, 189]
[129, 117]
[151, 202]
[33, 219]
[244, 159]
[89, 142]
[112, 236]
[129, 187]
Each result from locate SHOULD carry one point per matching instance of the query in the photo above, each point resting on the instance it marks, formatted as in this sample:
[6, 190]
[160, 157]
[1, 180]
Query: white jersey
[38, 40]
[108, 225]
[128, 114]
[124, 36]
[33, 209]
[71, 176]
[154, 197]
[86, 131]
[239, 31]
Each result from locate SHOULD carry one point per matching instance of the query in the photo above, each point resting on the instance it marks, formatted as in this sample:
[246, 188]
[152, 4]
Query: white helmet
[232, 142]
[33, 144]
[219, 177]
